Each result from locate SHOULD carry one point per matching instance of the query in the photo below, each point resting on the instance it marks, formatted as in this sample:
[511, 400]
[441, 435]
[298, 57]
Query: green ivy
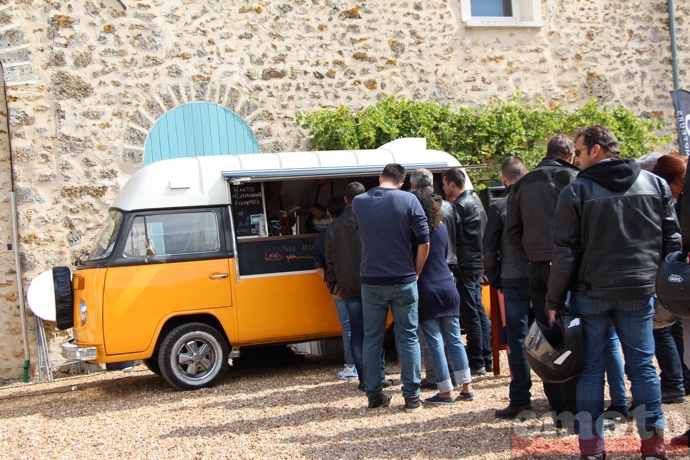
[484, 135]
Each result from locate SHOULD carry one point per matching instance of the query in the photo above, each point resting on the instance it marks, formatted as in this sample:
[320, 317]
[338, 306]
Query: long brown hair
[431, 208]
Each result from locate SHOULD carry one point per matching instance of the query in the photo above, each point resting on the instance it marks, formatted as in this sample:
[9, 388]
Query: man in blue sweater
[390, 223]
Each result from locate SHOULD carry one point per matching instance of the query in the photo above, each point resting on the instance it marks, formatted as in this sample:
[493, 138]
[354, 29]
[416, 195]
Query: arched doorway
[198, 129]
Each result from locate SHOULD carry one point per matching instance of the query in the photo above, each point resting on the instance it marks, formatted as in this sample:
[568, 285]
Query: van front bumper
[75, 353]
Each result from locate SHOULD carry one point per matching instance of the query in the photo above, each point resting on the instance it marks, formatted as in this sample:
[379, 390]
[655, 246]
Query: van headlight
[82, 312]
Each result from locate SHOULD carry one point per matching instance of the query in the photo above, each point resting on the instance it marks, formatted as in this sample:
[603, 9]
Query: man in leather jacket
[343, 256]
[506, 270]
[529, 226]
[469, 229]
[613, 225]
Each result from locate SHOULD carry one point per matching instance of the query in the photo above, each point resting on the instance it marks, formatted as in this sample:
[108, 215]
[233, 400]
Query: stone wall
[88, 79]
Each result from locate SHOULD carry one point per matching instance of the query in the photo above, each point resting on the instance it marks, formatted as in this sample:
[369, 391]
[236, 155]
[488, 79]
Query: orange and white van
[186, 270]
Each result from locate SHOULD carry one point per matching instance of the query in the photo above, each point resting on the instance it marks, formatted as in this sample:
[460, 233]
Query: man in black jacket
[613, 225]
[469, 229]
[506, 269]
[529, 226]
[343, 256]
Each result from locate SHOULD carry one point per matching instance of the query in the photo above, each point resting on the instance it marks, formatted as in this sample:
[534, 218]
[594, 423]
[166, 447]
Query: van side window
[174, 233]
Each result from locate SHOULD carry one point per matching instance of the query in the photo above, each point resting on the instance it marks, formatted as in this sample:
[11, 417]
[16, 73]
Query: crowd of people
[583, 233]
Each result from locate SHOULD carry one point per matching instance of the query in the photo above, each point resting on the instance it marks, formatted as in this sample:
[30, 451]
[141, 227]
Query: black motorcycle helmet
[673, 284]
[555, 353]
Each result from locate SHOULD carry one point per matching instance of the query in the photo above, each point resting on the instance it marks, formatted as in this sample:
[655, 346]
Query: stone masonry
[86, 81]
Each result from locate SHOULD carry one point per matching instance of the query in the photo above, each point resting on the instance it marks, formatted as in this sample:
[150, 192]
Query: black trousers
[473, 318]
[561, 396]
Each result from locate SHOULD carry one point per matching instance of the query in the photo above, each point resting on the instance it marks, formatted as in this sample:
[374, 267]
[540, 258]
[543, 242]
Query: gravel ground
[295, 410]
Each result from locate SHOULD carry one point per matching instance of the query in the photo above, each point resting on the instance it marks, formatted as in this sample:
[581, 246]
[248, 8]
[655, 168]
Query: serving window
[267, 203]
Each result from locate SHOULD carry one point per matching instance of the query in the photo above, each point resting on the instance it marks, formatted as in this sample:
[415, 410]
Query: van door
[280, 296]
[189, 273]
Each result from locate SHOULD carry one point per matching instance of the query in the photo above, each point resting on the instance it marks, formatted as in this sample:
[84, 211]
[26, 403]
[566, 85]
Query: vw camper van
[186, 269]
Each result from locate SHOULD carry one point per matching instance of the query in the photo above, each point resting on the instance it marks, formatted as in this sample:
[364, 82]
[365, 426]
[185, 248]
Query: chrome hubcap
[196, 358]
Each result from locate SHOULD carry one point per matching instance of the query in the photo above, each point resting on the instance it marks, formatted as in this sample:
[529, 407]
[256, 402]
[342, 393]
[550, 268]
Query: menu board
[247, 206]
[276, 255]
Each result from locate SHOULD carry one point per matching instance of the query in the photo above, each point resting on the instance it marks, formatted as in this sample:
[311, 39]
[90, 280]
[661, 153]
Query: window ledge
[514, 24]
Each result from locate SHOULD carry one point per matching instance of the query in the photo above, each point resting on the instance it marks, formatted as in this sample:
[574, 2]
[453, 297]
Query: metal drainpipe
[15, 233]
[674, 51]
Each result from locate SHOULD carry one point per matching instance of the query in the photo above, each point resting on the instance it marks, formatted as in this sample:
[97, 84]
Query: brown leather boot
[653, 447]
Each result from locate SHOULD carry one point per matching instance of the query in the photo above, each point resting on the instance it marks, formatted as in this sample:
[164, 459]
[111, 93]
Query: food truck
[187, 269]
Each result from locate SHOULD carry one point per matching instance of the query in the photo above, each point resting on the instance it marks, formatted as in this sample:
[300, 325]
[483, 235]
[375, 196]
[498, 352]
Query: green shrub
[484, 135]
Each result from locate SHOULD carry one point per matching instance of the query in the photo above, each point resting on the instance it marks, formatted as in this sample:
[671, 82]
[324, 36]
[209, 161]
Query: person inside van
[314, 204]
[279, 206]
[276, 201]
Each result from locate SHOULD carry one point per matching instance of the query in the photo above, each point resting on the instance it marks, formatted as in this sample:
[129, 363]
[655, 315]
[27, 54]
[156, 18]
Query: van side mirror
[150, 250]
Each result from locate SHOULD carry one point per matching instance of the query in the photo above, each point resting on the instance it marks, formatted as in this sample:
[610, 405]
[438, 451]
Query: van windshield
[105, 241]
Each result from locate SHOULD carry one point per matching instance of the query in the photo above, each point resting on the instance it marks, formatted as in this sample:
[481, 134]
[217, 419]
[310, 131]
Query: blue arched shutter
[198, 129]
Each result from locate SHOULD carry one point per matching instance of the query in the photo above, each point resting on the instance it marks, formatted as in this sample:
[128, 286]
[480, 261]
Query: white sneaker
[348, 373]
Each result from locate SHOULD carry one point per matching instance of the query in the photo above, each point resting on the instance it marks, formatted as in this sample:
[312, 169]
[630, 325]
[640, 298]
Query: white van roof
[201, 181]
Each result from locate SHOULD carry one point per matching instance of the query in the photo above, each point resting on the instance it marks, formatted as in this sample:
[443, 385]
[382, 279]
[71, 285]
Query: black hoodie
[616, 175]
[612, 227]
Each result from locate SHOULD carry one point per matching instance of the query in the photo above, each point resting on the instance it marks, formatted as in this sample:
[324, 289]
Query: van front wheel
[192, 356]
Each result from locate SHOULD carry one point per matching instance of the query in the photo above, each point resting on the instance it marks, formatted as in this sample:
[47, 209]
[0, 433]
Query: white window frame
[526, 13]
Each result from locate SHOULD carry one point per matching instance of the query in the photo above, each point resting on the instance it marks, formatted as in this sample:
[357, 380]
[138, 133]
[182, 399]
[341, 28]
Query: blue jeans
[446, 329]
[614, 370]
[354, 311]
[474, 320]
[403, 301]
[344, 318]
[633, 322]
[517, 311]
[427, 361]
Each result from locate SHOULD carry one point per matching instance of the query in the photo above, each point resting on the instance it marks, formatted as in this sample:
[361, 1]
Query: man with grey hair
[422, 178]
[647, 161]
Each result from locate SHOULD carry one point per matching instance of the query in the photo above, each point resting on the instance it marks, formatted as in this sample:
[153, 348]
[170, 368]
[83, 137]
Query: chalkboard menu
[279, 254]
[247, 202]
